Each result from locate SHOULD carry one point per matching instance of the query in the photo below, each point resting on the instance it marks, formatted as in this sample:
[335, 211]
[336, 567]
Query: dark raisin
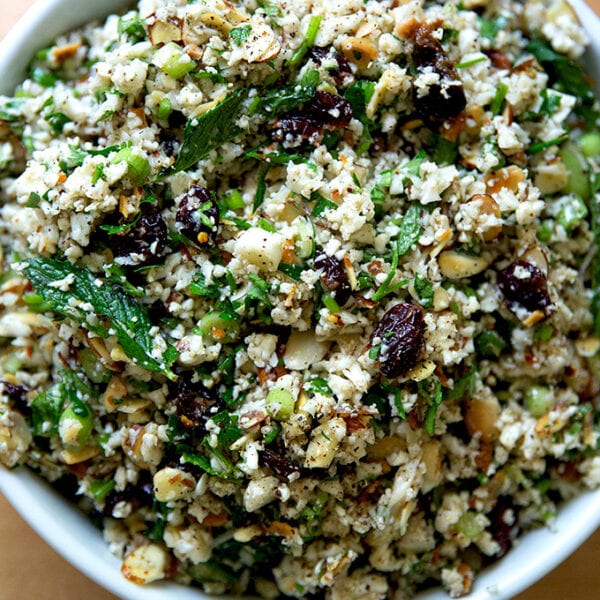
[503, 532]
[334, 277]
[18, 396]
[177, 119]
[198, 216]
[524, 287]
[137, 494]
[399, 336]
[281, 466]
[323, 111]
[343, 72]
[145, 241]
[168, 142]
[445, 99]
[331, 110]
[193, 401]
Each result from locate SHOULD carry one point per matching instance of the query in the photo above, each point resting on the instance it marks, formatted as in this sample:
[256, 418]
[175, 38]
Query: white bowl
[75, 538]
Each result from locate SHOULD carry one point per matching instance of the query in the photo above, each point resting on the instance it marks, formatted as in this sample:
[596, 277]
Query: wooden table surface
[31, 570]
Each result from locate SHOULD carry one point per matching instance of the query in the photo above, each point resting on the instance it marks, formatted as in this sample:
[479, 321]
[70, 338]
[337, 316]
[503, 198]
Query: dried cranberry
[198, 215]
[524, 287]
[323, 111]
[343, 71]
[193, 401]
[334, 277]
[400, 336]
[445, 99]
[281, 466]
[145, 241]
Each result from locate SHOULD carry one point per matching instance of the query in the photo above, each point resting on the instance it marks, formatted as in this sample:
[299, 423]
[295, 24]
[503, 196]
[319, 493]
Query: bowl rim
[74, 537]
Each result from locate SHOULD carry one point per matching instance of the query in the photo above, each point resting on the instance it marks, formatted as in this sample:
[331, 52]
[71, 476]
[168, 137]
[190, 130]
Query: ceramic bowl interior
[74, 537]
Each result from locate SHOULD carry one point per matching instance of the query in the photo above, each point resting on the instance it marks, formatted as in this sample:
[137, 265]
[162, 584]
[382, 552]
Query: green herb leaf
[33, 201]
[199, 287]
[489, 344]
[434, 399]
[57, 121]
[413, 166]
[410, 229]
[229, 429]
[209, 131]
[359, 94]
[425, 291]
[46, 409]
[133, 29]
[101, 307]
[491, 27]
[240, 34]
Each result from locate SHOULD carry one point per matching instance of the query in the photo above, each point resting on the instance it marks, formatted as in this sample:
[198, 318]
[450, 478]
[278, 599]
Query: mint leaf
[101, 307]
[410, 230]
[210, 131]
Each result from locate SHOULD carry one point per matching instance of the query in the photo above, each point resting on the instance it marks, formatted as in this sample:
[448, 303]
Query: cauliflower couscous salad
[302, 298]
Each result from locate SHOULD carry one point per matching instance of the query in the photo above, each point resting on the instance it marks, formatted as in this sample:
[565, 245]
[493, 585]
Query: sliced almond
[457, 266]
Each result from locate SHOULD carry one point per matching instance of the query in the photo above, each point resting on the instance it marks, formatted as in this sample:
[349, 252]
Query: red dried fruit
[334, 277]
[524, 287]
[145, 241]
[198, 216]
[193, 401]
[400, 337]
[281, 466]
[322, 111]
[445, 99]
[321, 53]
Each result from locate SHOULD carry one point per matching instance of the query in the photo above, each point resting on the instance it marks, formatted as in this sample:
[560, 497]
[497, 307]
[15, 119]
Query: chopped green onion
[470, 63]
[539, 146]
[308, 42]
[498, 100]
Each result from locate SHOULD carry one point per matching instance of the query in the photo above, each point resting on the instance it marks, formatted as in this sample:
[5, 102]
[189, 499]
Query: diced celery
[217, 328]
[234, 200]
[538, 400]
[304, 238]
[96, 372]
[577, 182]
[81, 413]
[589, 144]
[572, 212]
[11, 364]
[165, 108]
[138, 167]
[280, 404]
[177, 63]
[469, 525]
